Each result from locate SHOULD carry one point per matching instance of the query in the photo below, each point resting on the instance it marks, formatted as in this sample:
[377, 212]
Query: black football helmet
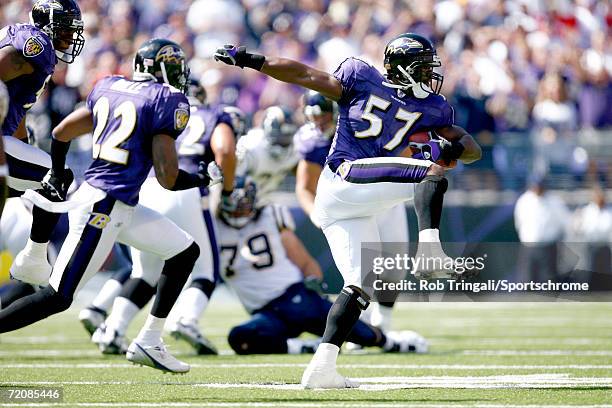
[61, 21]
[244, 195]
[162, 60]
[195, 92]
[239, 120]
[316, 104]
[409, 60]
[277, 127]
[315, 107]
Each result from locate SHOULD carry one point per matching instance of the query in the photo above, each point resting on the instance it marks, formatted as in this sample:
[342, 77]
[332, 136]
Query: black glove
[238, 56]
[55, 186]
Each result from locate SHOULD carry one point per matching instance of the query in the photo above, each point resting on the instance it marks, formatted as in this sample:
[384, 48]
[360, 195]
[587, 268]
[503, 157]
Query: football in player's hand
[416, 142]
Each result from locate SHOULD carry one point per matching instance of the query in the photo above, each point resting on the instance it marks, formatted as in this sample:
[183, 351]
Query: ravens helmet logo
[170, 55]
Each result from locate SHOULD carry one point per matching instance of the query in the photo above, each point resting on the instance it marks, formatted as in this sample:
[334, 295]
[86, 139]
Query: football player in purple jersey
[134, 124]
[312, 142]
[210, 135]
[364, 174]
[28, 55]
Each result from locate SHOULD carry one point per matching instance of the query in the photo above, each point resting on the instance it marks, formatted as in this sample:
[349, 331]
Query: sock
[343, 315]
[173, 277]
[14, 291]
[191, 304]
[123, 313]
[150, 334]
[36, 249]
[33, 308]
[428, 200]
[106, 296]
[42, 225]
[326, 354]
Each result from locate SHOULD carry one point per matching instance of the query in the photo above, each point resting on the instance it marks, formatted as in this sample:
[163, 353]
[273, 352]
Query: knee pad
[54, 301]
[138, 291]
[356, 295]
[205, 285]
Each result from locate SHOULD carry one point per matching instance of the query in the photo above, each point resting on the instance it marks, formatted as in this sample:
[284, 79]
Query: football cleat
[109, 341]
[326, 377]
[190, 333]
[405, 341]
[156, 357]
[31, 265]
[91, 318]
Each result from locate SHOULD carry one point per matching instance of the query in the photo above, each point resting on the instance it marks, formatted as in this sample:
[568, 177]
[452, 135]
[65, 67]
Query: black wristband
[185, 181]
[254, 61]
[59, 150]
[226, 193]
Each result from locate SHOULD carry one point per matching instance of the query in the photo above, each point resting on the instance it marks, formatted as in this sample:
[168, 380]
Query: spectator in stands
[593, 224]
[541, 220]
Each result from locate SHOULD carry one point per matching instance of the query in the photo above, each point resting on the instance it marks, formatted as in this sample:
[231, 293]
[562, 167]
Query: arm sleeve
[347, 73]
[170, 113]
[35, 48]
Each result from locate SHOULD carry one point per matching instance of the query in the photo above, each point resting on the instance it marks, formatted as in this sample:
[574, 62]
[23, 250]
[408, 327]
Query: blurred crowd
[525, 76]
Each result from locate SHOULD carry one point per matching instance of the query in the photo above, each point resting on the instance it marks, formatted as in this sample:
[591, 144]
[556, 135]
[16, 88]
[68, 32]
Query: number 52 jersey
[127, 114]
[375, 120]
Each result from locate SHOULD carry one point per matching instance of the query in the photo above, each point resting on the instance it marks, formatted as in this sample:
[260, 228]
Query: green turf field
[482, 354]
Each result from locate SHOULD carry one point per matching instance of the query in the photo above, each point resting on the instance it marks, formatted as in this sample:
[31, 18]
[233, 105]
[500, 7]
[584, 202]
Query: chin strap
[417, 88]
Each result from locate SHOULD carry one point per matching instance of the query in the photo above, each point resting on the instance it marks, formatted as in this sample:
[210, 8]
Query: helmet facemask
[245, 210]
[418, 75]
[65, 29]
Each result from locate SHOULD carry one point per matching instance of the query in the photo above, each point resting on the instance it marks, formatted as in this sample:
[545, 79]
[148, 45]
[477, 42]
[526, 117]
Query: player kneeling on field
[265, 263]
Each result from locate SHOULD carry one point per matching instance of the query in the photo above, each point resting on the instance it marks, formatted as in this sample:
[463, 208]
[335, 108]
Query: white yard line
[389, 383]
[460, 367]
[285, 404]
[537, 352]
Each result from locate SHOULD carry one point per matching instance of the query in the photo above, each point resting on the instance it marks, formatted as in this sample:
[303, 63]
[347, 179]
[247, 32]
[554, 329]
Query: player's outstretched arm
[471, 151]
[76, 124]
[283, 69]
[297, 253]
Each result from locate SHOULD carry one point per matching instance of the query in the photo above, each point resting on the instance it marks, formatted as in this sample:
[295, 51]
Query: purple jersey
[193, 145]
[37, 49]
[375, 120]
[311, 144]
[127, 114]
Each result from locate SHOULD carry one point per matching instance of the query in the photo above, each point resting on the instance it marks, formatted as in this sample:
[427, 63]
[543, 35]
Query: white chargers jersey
[253, 259]
[267, 164]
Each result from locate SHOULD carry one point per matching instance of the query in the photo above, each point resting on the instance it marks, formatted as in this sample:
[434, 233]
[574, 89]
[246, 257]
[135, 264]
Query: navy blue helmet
[409, 61]
[61, 21]
[162, 60]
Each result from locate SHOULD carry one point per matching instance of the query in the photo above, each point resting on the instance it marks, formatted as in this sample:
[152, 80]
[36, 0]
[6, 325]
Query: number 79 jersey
[376, 120]
[127, 114]
[253, 259]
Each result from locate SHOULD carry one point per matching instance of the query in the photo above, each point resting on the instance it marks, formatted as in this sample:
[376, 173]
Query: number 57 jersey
[127, 114]
[376, 120]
